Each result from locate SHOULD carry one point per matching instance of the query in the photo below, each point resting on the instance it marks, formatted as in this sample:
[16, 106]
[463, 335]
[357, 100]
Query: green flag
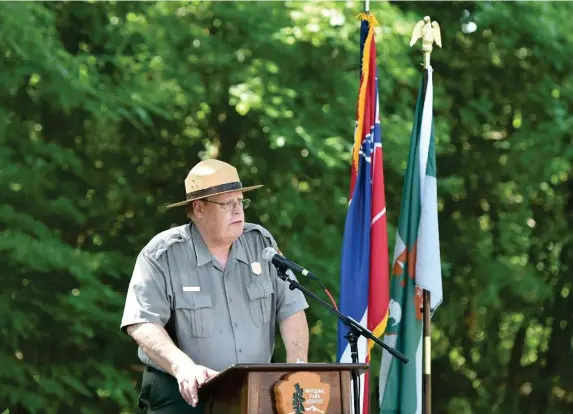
[416, 265]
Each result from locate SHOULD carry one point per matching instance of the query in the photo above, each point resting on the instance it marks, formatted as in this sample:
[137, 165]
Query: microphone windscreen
[268, 253]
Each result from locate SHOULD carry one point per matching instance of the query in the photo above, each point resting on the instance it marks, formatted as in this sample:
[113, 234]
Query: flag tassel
[365, 73]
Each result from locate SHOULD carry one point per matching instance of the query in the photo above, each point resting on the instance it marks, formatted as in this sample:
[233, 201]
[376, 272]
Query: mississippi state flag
[364, 292]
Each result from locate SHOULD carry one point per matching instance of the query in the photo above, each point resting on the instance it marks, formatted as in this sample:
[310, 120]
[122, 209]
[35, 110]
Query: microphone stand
[354, 331]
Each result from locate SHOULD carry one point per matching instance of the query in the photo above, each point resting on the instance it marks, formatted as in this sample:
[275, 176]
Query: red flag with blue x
[364, 289]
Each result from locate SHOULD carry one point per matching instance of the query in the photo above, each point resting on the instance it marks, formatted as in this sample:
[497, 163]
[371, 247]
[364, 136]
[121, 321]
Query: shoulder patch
[162, 241]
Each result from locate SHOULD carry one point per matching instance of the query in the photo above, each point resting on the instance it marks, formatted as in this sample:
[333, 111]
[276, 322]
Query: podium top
[238, 370]
[307, 366]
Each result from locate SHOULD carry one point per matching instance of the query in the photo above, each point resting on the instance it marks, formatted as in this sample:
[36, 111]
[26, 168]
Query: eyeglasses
[231, 205]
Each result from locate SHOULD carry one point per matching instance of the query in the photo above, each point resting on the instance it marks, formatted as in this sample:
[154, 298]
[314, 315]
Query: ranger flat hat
[211, 177]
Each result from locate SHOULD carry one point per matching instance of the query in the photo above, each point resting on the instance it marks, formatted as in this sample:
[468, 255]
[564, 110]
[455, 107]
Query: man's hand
[155, 342]
[190, 377]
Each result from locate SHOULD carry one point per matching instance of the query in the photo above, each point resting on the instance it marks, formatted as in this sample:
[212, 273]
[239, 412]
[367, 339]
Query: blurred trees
[104, 107]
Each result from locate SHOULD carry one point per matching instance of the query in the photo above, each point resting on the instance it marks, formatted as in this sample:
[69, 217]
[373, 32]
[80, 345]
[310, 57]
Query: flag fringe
[372, 23]
[378, 331]
[369, 18]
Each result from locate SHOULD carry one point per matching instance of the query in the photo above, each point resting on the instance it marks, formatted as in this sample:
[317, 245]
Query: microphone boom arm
[355, 328]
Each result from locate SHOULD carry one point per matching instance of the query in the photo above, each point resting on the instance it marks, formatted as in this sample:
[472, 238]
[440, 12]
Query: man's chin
[237, 228]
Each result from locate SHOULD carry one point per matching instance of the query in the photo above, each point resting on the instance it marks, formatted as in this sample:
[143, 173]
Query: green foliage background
[104, 107]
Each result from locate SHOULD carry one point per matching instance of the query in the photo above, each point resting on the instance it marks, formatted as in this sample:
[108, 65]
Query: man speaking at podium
[201, 297]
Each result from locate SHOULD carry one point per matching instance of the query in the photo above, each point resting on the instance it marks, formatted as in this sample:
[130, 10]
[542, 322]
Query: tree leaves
[106, 106]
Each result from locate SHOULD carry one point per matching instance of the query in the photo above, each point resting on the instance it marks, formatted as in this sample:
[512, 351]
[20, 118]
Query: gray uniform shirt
[222, 316]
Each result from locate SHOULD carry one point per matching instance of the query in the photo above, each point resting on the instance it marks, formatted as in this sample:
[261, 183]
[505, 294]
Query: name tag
[191, 289]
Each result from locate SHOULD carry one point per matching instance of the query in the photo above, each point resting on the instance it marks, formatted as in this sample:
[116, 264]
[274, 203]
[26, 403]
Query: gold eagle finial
[429, 32]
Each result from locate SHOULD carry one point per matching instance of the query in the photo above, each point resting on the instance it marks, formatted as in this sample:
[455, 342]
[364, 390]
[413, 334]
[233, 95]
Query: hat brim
[185, 202]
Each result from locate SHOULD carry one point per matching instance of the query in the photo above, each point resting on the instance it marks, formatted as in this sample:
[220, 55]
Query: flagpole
[429, 32]
[367, 6]
[427, 325]
[427, 357]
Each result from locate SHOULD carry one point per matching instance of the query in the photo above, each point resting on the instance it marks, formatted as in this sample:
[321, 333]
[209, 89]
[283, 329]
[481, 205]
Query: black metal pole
[352, 340]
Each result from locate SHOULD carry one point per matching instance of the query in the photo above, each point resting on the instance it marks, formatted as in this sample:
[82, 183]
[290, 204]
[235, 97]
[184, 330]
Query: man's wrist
[181, 361]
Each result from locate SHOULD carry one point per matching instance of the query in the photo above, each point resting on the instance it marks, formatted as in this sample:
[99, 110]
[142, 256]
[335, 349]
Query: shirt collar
[238, 251]
[204, 256]
[202, 253]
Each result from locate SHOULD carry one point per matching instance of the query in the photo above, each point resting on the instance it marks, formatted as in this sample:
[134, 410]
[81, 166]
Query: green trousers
[160, 395]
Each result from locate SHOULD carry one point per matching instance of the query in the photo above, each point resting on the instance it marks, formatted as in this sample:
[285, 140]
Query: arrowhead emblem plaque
[302, 392]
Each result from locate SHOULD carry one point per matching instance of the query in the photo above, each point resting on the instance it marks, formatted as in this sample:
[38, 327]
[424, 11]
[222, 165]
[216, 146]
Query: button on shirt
[220, 316]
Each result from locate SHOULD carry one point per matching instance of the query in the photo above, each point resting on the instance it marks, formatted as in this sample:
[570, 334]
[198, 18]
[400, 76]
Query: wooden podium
[277, 388]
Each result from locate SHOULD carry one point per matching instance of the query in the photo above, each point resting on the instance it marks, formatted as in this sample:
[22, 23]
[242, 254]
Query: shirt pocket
[197, 311]
[260, 301]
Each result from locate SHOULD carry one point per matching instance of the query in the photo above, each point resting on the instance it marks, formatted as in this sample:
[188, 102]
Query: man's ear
[197, 207]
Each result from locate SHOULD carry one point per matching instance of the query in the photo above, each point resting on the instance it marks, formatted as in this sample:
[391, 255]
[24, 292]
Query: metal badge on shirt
[256, 268]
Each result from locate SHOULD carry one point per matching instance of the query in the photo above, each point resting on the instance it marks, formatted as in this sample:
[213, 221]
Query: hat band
[214, 190]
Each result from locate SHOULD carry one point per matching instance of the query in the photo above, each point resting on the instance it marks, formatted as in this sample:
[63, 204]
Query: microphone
[271, 255]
